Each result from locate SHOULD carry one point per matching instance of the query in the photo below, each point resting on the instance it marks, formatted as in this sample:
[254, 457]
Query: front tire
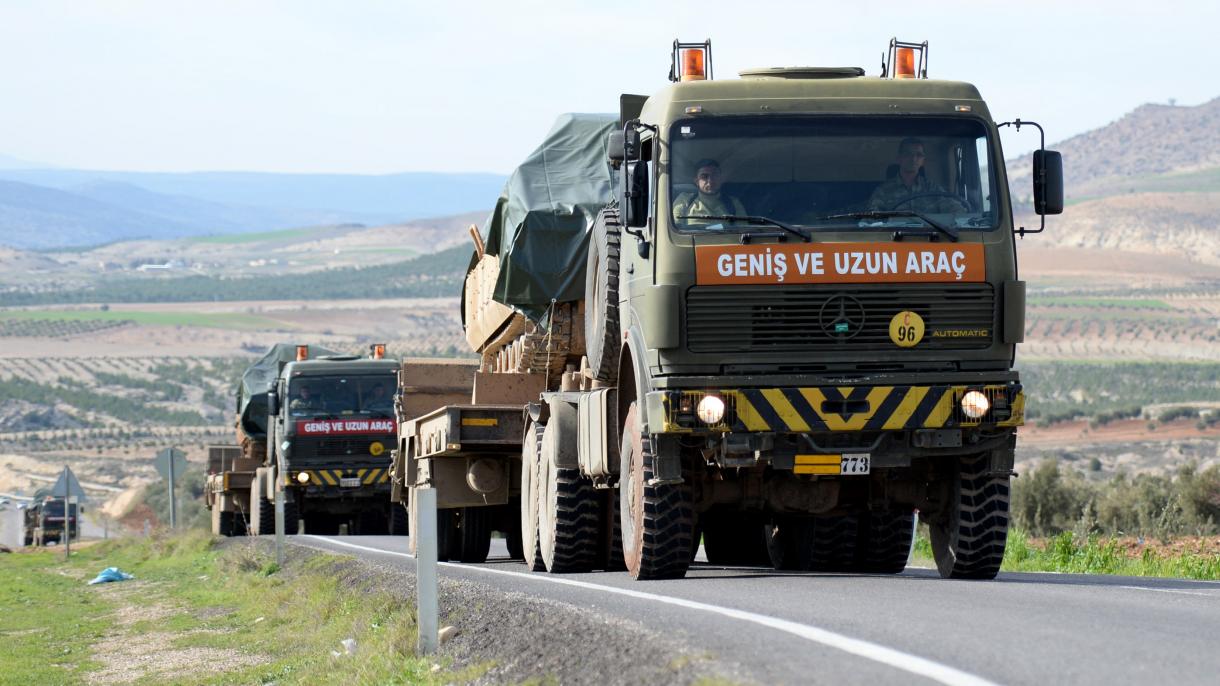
[968, 538]
[657, 520]
[885, 540]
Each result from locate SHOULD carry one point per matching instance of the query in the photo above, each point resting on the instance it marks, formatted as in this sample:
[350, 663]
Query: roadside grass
[48, 624]
[213, 320]
[1069, 554]
[281, 625]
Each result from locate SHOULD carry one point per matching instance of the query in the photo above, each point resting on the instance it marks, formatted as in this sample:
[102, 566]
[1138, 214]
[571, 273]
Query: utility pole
[67, 519]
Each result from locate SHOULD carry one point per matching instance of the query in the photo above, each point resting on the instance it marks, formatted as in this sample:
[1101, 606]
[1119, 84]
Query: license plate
[855, 463]
[847, 464]
[350, 482]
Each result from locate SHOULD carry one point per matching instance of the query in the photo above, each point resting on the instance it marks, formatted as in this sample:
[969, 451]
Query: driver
[910, 189]
[378, 400]
[709, 201]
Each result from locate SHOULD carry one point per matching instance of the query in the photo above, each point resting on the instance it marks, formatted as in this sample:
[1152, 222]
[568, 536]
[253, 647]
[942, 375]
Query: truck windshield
[832, 173]
[340, 396]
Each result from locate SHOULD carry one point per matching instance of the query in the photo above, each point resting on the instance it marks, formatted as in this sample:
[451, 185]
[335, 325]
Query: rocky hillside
[1149, 182]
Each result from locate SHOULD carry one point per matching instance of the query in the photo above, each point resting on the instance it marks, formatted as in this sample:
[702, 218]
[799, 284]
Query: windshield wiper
[751, 219]
[886, 214]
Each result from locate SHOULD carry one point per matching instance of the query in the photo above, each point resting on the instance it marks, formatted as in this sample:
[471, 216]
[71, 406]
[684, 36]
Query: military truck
[795, 326]
[318, 426]
[43, 521]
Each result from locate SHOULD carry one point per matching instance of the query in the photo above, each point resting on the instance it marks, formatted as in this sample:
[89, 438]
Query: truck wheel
[657, 519]
[968, 539]
[601, 297]
[885, 540]
[472, 536]
[218, 522]
[567, 519]
[790, 543]
[834, 543]
[734, 539]
[614, 532]
[531, 452]
[398, 520]
[262, 514]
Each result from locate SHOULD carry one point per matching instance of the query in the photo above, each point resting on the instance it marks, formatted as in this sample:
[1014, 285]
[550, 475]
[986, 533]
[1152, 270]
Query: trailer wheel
[657, 519]
[567, 518]
[398, 520]
[471, 539]
[222, 522]
[885, 540]
[262, 514]
[834, 543]
[790, 543]
[601, 296]
[512, 529]
[531, 452]
[968, 538]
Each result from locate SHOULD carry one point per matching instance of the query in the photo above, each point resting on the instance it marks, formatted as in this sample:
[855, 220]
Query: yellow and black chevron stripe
[849, 408]
[369, 476]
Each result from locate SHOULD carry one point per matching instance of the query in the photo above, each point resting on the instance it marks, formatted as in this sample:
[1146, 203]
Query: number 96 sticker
[906, 329]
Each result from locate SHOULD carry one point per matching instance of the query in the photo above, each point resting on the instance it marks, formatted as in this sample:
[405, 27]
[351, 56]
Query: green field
[1106, 303]
[1088, 389]
[214, 320]
[261, 624]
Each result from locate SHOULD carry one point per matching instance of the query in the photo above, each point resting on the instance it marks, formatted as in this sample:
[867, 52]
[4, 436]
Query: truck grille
[802, 318]
[352, 448]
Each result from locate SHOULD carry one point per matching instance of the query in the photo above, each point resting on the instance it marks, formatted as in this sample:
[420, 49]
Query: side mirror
[631, 143]
[635, 184]
[1048, 182]
[273, 402]
[615, 148]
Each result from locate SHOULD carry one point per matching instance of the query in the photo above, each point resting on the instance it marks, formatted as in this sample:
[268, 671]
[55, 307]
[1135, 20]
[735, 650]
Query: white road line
[891, 657]
[1171, 590]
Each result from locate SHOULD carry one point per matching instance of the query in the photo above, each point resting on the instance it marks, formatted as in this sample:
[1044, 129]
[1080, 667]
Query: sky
[375, 87]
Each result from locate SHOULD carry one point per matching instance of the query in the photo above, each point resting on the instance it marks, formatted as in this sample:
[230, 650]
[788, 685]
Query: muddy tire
[471, 539]
[568, 516]
[885, 540]
[602, 337]
[657, 520]
[968, 539]
[835, 540]
[790, 543]
[531, 453]
[734, 539]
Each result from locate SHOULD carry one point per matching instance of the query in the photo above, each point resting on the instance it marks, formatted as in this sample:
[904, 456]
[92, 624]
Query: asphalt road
[910, 628]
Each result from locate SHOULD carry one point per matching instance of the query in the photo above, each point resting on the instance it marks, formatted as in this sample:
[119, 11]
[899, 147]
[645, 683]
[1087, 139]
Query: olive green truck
[318, 426]
[776, 314]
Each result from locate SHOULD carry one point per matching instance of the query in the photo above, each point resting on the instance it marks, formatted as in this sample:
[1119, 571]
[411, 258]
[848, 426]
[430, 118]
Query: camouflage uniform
[704, 205]
[889, 196]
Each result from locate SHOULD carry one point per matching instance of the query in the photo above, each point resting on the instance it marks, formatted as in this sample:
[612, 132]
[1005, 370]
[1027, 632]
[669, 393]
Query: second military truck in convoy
[318, 426]
[777, 314]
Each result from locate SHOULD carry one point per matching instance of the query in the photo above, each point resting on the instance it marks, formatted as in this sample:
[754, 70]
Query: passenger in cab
[708, 201]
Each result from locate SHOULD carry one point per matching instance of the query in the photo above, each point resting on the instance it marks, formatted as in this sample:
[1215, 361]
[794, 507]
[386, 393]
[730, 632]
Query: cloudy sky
[371, 87]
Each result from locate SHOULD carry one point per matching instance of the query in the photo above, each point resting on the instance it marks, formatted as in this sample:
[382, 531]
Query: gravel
[526, 638]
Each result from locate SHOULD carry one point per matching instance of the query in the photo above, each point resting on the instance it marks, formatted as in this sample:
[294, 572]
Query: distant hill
[51, 208]
[1149, 182]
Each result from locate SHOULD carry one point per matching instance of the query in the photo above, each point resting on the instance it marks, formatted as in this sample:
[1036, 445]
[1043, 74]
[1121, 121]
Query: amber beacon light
[899, 62]
[302, 352]
[691, 61]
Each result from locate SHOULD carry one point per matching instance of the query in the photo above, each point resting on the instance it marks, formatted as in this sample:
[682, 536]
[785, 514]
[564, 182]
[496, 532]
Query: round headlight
[975, 404]
[711, 409]
[303, 477]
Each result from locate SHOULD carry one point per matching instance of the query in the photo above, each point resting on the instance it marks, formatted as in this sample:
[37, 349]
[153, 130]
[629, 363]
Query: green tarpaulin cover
[252, 392]
[540, 227]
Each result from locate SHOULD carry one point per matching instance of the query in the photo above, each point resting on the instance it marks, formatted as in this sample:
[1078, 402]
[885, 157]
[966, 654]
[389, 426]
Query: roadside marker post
[279, 527]
[169, 463]
[67, 518]
[427, 614]
[69, 487]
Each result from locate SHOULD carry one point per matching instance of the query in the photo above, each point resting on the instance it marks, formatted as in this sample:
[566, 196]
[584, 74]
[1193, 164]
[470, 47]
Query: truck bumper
[817, 410]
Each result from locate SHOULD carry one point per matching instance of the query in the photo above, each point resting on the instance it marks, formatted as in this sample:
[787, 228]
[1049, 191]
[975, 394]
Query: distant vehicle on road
[44, 520]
